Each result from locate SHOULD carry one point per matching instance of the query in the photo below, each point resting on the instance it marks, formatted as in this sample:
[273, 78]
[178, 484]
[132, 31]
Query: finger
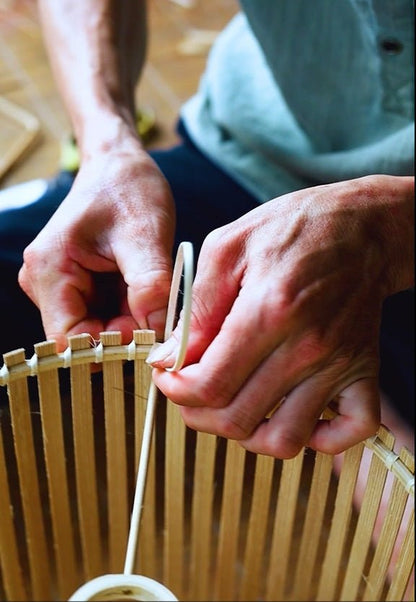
[249, 358]
[60, 291]
[357, 418]
[261, 394]
[297, 421]
[214, 290]
[147, 273]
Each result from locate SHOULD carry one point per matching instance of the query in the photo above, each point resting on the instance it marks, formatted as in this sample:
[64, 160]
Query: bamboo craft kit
[219, 523]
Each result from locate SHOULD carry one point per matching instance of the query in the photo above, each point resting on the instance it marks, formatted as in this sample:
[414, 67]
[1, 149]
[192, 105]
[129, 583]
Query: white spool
[121, 587]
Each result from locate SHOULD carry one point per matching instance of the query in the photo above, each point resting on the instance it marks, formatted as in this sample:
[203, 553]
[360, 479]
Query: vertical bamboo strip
[11, 569]
[312, 527]
[404, 565]
[200, 578]
[174, 503]
[254, 557]
[115, 432]
[85, 462]
[392, 520]
[393, 554]
[55, 461]
[226, 561]
[340, 524]
[283, 527]
[146, 556]
[40, 575]
[368, 512]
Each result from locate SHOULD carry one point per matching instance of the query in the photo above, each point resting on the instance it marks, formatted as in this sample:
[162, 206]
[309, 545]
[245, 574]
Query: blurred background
[33, 122]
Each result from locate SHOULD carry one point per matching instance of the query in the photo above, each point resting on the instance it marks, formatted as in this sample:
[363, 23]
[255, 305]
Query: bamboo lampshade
[219, 523]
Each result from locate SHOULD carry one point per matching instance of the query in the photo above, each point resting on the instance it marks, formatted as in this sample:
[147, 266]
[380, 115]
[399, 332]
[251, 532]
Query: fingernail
[162, 355]
[156, 320]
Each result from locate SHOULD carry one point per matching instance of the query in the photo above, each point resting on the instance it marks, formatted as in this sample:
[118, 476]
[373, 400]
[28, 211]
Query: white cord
[183, 263]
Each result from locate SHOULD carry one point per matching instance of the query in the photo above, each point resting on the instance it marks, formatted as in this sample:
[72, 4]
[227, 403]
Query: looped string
[32, 362]
[67, 357]
[183, 263]
[99, 353]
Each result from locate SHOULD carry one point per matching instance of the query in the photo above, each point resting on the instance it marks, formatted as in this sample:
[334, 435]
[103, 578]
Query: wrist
[106, 131]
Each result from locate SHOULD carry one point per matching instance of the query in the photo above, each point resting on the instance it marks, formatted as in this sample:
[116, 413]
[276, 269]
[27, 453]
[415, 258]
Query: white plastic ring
[122, 587]
[184, 263]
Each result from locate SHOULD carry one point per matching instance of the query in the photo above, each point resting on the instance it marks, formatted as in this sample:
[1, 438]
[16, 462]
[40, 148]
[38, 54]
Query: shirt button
[391, 45]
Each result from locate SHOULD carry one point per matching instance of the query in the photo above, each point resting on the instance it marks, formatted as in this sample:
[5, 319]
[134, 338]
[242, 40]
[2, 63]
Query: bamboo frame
[30, 130]
[218, 523]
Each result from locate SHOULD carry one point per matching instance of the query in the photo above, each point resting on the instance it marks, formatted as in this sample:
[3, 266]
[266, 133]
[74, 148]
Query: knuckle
[214, 392]
[211, 242]
[198, 392]
[219, 424]
[22, 277]
[273, 303]
[206, 328]
[286, 446]
[30, 257]
[155, 282]
[220, 247]
[313, 348]
[236, 425]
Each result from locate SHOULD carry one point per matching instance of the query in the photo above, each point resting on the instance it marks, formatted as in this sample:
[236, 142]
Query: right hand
[103, 261]
[286, 315]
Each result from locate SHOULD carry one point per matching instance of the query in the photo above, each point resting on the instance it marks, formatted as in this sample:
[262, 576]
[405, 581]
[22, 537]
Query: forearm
[97, 50]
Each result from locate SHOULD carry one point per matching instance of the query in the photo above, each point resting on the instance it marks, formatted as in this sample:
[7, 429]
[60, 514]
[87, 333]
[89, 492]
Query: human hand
[103, 261]
[286, 310]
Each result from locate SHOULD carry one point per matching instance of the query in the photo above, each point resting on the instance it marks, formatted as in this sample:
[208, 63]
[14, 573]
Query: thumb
[357, 418]
[147, 273]
[213, 294]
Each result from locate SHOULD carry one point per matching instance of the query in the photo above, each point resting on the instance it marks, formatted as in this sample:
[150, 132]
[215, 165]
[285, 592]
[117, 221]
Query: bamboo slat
[147, 555]
[387, 539]
[404, 565]
[174, 501]
[39, 565]
[355, 573]
[13, 576]
[340, 524]
[85, 462]
[115, 432]
[55, 460]
[229, 528]
[202, 515]
[283, 528]
[312, 527]
[253, 563]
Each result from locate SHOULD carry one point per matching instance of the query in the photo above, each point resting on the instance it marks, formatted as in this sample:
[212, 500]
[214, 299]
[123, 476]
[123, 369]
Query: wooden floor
[33, 122]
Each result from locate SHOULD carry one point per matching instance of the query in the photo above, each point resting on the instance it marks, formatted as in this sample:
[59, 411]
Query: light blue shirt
[304, 92]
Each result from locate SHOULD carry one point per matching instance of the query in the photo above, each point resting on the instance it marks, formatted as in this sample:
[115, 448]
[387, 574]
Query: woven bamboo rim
[99, 353]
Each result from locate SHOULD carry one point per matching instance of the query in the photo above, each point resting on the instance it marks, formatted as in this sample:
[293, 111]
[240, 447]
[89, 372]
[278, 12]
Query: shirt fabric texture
[299, 92]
